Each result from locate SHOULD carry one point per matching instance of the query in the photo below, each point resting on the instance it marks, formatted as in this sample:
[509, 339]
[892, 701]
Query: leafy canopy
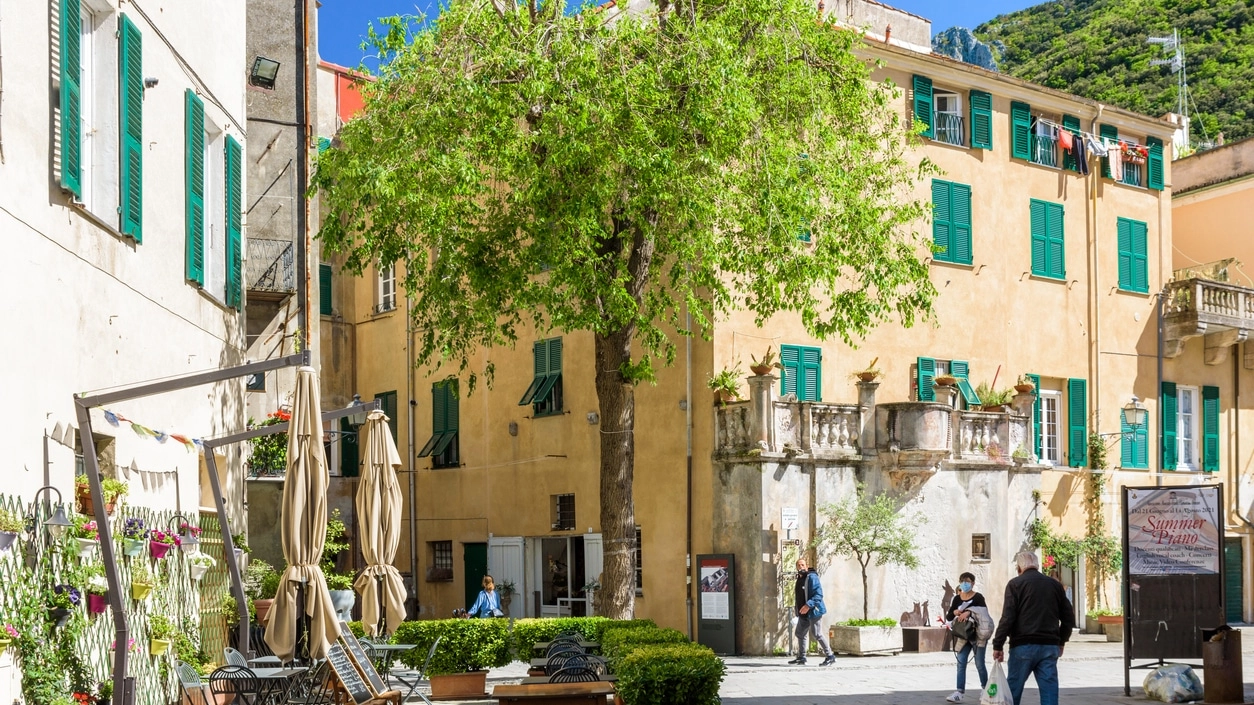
[606, 172]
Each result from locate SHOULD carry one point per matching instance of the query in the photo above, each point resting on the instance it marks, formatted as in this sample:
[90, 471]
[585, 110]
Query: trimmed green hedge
[468, 644]
[528, 632]
[613, 624]
[670, 674]
[617, 643]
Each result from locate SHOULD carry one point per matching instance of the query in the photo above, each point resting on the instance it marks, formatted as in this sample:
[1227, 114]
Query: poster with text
[715, 591]
[1174, 531]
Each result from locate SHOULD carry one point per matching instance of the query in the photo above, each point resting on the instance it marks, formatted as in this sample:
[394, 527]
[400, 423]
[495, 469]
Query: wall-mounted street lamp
[58, 523]
[1135, 414]
[357, 419]
[265, 72]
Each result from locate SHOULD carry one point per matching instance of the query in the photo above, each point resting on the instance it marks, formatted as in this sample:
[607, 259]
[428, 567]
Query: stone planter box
[861, 641]
[460, 686]
[1114, 632]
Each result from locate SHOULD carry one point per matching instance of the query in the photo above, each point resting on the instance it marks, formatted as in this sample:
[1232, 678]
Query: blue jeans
[965, 653]
[1040, 660]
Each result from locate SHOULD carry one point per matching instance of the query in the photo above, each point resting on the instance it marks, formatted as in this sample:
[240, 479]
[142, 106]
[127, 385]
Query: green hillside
[1097, 49]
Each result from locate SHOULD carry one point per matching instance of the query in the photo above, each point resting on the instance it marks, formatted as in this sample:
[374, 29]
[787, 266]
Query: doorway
[475, 562]
[1234, 583]
[561, 568]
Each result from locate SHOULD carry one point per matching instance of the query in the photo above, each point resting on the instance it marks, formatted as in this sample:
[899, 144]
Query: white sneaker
[955, 698]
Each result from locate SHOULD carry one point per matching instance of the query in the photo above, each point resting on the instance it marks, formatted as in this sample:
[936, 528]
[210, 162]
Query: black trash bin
[1221, 665]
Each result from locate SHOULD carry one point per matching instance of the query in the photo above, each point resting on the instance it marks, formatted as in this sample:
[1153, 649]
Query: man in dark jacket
[1038, 621]
[808, 597]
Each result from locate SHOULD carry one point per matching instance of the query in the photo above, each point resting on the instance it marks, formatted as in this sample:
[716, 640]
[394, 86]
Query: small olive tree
[868, 528]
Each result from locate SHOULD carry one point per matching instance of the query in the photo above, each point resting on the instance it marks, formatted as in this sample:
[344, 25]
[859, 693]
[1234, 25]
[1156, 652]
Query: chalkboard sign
[363, 661]
[348, 675]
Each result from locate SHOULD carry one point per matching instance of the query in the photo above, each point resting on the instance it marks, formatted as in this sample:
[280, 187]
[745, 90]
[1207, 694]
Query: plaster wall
[1212, 223]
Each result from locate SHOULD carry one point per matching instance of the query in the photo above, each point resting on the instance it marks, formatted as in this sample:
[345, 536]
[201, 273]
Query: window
[980, 547]
[1048, 258]
[1186, 428]
[563, 512]
[927, 369]
[324, 290]
[1044, 143]
[1071, 124]
[441, 568]
[257, 382]
[981, 119]
[939, 112]
[639, 565]
[948, 123]
[545, 391]
[1190, 427]
[802, 372]
[1108, 133]
[442, 447]
[386, 294]
[1133, 444]
[387, 404]
[1051, 413]
[1132, 160]
[951, 221]
[1133, 255]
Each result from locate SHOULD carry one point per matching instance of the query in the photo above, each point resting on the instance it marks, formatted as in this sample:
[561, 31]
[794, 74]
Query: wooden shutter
[194, 161]
[942, 234]
[1071, 124]
[540, 367]
[1155, 163]
[452, 409]
[961, 370]
[1210, 429]
[1077, 423]
[923, 105]
[1169, 424]
[810, 383]
[790, 358]
[72, 97]
[1140, 256]
[1110, 132]
[324, 290]
[1036, 412]
[350, 464]
[981, 120]
[1054, 234]
[555, 356]
[234, 225]
[131, 119]
[960, 223]
[925, 372]
[1020, 130]
[1040, 247]
[1127, 443]
[1124, 239]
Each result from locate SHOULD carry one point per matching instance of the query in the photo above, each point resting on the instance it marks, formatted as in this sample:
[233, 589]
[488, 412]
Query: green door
[475, 560]
[1233, 584]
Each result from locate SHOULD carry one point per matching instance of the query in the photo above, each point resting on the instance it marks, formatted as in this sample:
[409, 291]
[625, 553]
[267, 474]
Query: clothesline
[1090, 135]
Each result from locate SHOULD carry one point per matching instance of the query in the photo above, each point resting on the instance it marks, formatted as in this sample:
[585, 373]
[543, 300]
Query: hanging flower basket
[132, 547]
[140, 590]
[158, 550]
[96, 604]
[60, 616]
[87, 548]
[156, 647]
[195, 571]
[7, 539]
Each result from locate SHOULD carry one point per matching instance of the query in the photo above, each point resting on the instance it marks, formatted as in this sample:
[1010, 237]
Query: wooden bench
[554, 693]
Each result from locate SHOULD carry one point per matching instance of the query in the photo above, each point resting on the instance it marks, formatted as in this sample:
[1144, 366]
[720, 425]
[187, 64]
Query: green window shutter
[555, 356]
[1020, 130]
[961, 370]
[552, 370]
[810, 383]
[941, 214]
[131, 120]
[960, 224]
[1155, 163]
[194, 159]
[1142, 447]
[1210, 429]
[1077, 423]
[324, 290]
[1140, 257]
[234, 224]
[350, 465]
[1054, 235]
[1169, 425]
[790, 358]
[981, 120]
[1040, 246]
[1127, 443]
[923, 105]
[925, 372]
[1036, 412]
[387, 404]
[439, 419]
[71, 98]
[1124, 239]
[540, 364]
[448, 410]
[1071, 124]
[1109, 132]
[324, 143]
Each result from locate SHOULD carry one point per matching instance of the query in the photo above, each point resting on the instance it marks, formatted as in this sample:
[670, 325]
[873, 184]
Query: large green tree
[610, 171]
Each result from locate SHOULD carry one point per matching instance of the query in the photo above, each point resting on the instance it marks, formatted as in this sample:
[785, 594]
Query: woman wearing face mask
[969, 605]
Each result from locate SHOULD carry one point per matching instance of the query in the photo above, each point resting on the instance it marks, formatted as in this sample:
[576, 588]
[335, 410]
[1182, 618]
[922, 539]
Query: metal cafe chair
[195, 690]
[412, 679]
[234, 657]
[238, 681]
[574, 673]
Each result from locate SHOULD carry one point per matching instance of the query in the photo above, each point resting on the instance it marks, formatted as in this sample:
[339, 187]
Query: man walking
[808, 597]
[1038, 621]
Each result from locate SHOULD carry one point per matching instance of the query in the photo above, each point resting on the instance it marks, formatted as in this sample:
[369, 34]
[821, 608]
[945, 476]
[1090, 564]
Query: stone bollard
[762, 402]
[866, 402]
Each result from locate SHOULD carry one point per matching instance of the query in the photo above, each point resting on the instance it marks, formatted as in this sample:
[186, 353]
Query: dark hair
[967, 576]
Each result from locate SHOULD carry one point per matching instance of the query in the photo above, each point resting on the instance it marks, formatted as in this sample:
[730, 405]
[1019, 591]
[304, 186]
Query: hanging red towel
[1064, 138]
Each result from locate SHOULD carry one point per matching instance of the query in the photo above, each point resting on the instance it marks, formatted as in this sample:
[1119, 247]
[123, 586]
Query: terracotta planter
[722, 397]
[132, 547]
[96, 604]
[156, 647]
[1025, 388]
[760, 370]
[995, 408]
[945, 380]
[263, 609]
[82, 495]
[7, 538]
[472, 684]
[867, 376]
[158, 550]
[140, 590]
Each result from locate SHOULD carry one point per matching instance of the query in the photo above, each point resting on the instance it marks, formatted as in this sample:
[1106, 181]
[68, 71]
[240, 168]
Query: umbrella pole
[302, 629]
[383, 609]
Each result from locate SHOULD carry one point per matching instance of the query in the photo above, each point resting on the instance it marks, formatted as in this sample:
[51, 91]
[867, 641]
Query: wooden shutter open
[810, 384]
[925, 373]
[923, 104]
[131, 120]
[325, 307]
[1071, 124]
[194, 161]
[1040, 247]
[790, 359]
[1107, 132]
[1210, 429]
[234, 224]
[1020, 130]
[1077, 423]
[72, 97]
[942, 233]
[1168, 400]
[1036, 412]
[1154, 163]
[981, 120]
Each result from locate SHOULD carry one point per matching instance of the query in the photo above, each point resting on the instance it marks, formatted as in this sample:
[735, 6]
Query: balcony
[1220, 312]
[949, 129]
[1133, 174]
[1045, 149]
[271, 269]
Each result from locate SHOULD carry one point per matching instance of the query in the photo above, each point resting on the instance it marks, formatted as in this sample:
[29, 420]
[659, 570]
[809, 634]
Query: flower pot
[140, 590]
[722, 397]
[867, 376]
[945, 380]
[87, 547]
[7, 538]
[132, 547]
[760, 370]
[4, 644]
[263, 608]
[472, 684]
[96, 604]
[196, 571]
[1025, 388]
[860, 641]
[158, 550]
[82, 495]
[1114, 631]
[343, 601]
[995, 408]
[156, 647]
[60, 616]
[109, 506]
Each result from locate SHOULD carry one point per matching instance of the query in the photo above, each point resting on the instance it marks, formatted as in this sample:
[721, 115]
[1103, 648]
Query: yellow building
[1047, 276]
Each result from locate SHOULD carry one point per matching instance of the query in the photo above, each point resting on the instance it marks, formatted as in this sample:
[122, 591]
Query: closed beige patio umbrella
[303, 524]
[379, 526]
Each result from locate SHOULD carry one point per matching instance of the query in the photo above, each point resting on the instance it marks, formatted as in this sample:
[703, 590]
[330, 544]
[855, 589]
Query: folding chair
[195, 691]
[234, 657]
[413, 678]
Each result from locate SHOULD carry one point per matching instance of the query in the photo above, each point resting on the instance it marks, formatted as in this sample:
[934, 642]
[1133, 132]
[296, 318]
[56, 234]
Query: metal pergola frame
[228, 545]
[123, 685]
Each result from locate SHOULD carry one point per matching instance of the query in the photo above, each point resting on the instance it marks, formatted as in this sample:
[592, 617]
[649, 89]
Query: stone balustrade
[1220, 311]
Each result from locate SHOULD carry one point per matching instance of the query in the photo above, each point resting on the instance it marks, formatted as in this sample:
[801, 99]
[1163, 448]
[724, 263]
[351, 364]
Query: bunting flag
[115, 419]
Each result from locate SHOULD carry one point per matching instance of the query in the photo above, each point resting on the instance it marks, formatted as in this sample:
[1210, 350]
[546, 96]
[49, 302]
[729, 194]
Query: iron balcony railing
[271, 265]
[1045, 149]
[1132, 174]
[949, 129]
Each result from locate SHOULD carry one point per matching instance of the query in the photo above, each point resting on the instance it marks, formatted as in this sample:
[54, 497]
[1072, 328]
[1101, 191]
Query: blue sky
[342, 23]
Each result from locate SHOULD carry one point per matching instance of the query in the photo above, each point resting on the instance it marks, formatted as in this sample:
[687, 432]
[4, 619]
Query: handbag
[966, 629]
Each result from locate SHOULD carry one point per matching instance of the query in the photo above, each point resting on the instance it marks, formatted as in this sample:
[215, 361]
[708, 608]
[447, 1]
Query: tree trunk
[617, 401]
[864, 592]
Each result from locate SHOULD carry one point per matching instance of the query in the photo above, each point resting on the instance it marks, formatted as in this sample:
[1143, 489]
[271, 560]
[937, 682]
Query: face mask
[965, 587]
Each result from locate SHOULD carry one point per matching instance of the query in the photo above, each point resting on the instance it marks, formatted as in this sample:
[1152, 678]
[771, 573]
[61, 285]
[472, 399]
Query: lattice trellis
[37, 564]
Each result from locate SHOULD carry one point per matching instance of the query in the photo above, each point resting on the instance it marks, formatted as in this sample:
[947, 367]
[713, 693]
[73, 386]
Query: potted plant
[230, 610]
[340, 584]
[160, 542]
[991, 399]
[10, 525]
[870, 374]
[1021, 455]
[944, 380]
[268, 456]
[198, 564]
[86, 535]
[241, 547]
[261, 584]
[142, 581]
[507, 589]
[1025, 385]
[726, 385]
[134, 536]
[468, 647]
[766, 364]
[61, 602]
[160, 633]
[97, 588]
[7, 635]
[112, 489]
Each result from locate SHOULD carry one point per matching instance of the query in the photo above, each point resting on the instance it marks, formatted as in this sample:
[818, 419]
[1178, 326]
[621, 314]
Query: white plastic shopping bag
[998, 690]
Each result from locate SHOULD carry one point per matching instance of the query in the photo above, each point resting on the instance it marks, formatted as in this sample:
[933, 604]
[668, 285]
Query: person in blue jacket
[808, 596]
[488, 603]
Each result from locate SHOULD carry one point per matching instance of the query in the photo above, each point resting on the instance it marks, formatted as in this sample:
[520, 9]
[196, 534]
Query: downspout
[1096, 310]
[688, 430]
[1158, 390]
[302, 173]
[413, 459]
[1236, 457]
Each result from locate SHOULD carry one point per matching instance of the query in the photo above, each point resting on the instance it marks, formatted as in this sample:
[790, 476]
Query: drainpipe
[302, 173]
[413, 459]
[688, 518]
[1158, 391]
[1236, 455]
[1096, 320]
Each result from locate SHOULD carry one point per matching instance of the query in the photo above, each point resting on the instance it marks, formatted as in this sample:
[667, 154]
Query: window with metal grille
[639, 565]
[980, 547]
[563, 512]
[441, 569]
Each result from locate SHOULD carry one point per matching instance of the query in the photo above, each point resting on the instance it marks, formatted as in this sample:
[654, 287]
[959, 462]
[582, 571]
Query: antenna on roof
[1173, 50]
